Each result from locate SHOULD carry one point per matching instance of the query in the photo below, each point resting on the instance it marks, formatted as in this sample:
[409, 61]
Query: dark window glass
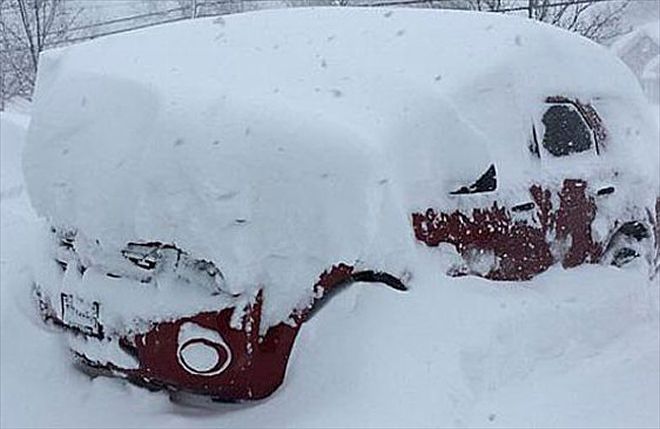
[486, 183]
[565, 131]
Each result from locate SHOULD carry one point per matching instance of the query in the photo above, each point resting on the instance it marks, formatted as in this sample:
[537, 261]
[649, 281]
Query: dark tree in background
[26, 28]
[599, 20]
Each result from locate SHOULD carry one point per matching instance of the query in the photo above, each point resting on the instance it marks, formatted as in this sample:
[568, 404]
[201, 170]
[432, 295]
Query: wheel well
[634, 230]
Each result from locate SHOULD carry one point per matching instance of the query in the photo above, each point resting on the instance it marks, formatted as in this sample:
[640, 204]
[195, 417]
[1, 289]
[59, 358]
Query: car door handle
[605, 191]
[523, 207]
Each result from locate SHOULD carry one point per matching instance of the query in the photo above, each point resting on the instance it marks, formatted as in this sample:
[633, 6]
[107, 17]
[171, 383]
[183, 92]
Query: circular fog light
[201, 356]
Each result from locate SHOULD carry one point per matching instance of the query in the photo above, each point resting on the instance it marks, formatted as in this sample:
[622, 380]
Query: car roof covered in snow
[276, 141]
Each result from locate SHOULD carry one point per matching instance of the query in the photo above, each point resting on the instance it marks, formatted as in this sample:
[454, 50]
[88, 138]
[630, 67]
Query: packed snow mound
[11, 177]
[278, 143]
[650, 30]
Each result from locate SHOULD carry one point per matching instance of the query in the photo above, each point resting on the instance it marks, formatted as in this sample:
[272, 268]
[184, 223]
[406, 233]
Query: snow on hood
[277, 143]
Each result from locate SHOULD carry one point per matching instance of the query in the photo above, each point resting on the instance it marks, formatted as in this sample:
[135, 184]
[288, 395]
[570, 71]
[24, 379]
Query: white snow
[650, 30]
[652, 69]
[278, 143]
[14, 126]
[640, 50]
[575, 348]
[128, 304]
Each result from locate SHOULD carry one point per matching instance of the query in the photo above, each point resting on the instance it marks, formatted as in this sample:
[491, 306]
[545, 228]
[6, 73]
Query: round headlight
[201, 356]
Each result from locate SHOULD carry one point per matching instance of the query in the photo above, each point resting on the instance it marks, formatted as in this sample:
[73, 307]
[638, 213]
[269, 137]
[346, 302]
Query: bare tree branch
[27, 26]
[28, 32]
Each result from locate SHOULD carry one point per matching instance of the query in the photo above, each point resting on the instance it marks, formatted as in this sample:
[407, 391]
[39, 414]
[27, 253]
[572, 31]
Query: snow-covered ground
[577, 348]
[574, 348]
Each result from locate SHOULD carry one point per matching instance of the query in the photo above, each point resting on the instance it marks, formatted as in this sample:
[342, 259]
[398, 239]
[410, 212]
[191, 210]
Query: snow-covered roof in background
[626, 42]
[278, 142]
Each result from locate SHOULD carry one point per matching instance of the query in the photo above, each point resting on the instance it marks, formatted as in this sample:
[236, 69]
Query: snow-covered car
[206, 185]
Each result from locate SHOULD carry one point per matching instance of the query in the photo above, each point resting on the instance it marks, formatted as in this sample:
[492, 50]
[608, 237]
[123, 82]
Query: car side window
[566, 132]
[486, 183]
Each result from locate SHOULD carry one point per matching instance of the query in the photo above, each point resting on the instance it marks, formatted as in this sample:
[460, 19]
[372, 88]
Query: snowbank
[278, 143]
[628, 41]
[13, 130]
[640, 50]
[574, 348]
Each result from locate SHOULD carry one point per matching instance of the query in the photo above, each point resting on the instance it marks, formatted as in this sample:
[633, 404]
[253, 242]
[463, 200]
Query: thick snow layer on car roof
[276, 143]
